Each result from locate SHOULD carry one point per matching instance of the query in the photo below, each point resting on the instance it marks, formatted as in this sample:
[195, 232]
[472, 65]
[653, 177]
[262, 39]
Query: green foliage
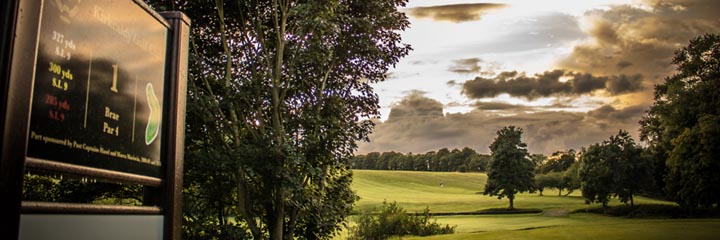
[568, 180]
[511, 171]
[543, 181]
[444, 160]
[559, 162]
[614, 167]
[538, 160]
[550, 180]
[277, 96]
[393, 220]
[681, 127]
[694, 164]
[596, 175]
[55, 188]
[571, 178]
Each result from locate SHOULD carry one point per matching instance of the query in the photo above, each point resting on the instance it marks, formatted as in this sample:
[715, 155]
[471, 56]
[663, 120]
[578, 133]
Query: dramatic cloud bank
[454, 13]
[418, 125]
[549, 83]
[631, 40]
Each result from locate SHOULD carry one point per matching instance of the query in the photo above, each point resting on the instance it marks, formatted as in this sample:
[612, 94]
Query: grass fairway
[604, 229]
[416, 190]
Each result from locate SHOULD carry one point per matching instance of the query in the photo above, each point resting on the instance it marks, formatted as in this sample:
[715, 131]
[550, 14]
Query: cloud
[454, 13]
[474, 66]
[549, 83]
[499, 106]
[623, 64]
[632, 40]
[425, 129]
[609, 113]
[544, 31]
[466, 66]
[516, 108]
[415, 105]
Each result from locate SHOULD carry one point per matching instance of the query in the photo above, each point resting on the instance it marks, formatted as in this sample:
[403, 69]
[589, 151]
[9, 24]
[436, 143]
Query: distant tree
[596, 175]
[683, 125]
[616, 167]
[441, 159]
[465, 160]
[543, 181]
[371, 160]
[631, 170]
[511, 171]
[555, 180]
[484, 162]
[559, 162]
[420, 163]
[571, 178]
[538, 160]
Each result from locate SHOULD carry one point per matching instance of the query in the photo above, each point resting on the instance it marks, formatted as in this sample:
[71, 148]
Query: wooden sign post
[93, 89]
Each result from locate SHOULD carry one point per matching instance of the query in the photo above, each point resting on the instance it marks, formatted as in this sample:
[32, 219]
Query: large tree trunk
[512, 206]
[276, 219]
[632, 202]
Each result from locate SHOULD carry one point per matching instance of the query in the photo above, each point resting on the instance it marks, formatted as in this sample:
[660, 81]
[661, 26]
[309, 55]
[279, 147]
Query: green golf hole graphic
[153, 125]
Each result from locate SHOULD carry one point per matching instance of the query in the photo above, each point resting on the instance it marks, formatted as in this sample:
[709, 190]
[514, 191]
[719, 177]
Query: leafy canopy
[511, 170]
[279, 92]
[615, 167]
[682, 126]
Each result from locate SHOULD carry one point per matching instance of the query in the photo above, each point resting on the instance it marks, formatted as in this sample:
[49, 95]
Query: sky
[570, 73]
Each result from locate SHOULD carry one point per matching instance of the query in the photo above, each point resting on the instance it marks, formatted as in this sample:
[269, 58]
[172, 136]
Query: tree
[681, 126]
[278, 91]
[571, 178]
[596, 175]
[632, 172]
[543, 181]
[538, 160]
[559, 162]
[616, 167]
[695, 163]
[511, 171]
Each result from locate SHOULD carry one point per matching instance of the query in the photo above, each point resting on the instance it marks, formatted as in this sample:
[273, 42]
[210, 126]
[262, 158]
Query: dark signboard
[98, 86]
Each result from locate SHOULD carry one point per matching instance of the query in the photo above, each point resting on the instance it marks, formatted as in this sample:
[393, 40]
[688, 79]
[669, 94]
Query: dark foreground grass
[635, 229]
[653, 211]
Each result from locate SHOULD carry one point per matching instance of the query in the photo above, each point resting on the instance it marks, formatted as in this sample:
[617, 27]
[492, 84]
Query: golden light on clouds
[454, 13]
[570, 72]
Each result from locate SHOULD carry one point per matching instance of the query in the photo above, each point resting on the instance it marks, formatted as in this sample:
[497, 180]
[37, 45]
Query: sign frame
[20, 33]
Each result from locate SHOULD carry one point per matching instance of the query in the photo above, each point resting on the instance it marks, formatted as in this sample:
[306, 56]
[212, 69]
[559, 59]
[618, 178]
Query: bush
[653, 211]
[392, 220]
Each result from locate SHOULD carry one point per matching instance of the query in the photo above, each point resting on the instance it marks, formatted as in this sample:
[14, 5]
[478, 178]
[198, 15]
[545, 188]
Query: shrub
[393, 220]
[653, 211]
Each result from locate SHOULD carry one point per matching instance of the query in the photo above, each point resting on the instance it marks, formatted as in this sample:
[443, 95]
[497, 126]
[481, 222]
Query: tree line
[443, 160]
